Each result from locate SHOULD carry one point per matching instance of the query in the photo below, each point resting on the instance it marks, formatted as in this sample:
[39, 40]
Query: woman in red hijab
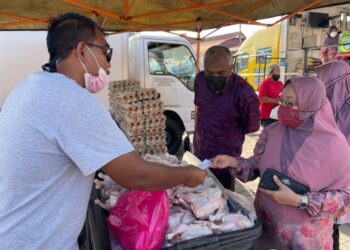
[306, 145]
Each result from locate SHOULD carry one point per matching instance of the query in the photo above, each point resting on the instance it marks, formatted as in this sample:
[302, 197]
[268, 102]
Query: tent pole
[198, 50]
[198, 29]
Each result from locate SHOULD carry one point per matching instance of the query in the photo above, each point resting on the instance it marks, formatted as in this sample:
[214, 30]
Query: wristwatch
[304, 201]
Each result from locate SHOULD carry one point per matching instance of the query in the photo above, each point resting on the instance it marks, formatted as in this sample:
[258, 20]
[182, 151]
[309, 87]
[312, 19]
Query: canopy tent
[133, 15]
[160, 15]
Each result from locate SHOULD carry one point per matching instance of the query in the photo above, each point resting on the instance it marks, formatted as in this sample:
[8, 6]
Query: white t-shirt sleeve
[88, 134]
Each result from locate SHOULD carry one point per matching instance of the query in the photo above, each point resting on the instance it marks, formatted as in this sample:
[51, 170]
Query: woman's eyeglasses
[287, 103]
[104, 47]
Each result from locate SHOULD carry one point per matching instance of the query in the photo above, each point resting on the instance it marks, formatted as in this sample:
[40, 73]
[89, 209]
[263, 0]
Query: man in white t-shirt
[55, 134]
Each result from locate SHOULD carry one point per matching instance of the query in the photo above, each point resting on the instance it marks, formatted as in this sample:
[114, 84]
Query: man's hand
[131, 171]
[283, 196]
[224, 161]
[196, 176]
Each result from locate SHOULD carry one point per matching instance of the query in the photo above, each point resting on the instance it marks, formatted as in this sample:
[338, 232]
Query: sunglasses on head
[104, 47]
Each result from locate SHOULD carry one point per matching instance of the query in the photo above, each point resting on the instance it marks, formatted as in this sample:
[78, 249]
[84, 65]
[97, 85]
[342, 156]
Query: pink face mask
[95, 84]
[288, 116]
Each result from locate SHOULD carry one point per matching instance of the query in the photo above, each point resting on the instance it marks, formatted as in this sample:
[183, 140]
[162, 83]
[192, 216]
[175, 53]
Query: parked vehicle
[155, 59]
[294, 44]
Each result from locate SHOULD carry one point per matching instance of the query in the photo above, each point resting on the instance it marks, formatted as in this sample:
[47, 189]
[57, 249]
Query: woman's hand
[224, 161]
[283, 196]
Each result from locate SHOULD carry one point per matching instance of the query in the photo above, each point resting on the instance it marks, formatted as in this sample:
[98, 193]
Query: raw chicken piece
[201, 206]
[181, 228]
[238, 219]
[182, 190]
[111, 198]
[214, 193]
[171, 194]
[176, 209]
[106, 183]
[102, 204]
[220, 213]
[174, 220]
[196, 230]
[204, 212]
[110, 193]
[224, 227]
[188, 217]
[208, 183]
[108, 205]
[183, 203]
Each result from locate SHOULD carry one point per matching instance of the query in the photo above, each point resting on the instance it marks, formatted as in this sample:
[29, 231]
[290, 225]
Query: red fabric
[271, 89]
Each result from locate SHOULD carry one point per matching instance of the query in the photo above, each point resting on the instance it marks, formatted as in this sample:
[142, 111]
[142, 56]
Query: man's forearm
[155, 177]
[131, 171]
[266, 99]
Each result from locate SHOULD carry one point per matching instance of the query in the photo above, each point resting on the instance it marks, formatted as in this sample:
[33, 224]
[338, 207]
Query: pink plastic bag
[139, 220]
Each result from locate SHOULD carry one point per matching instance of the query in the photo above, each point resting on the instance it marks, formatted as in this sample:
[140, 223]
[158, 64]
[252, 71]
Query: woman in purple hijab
[336, 77]
[330, 45]
[306, 145]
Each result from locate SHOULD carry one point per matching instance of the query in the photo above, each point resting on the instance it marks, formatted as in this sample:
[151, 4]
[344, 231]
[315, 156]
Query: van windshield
[172, 59]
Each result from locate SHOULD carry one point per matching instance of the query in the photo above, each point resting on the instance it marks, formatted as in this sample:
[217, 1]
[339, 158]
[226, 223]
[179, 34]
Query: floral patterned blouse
[324, 207]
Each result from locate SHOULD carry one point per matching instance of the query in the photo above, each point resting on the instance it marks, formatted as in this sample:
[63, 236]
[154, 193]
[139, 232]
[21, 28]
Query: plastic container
[95, 234]
[344, 42]
[242, 239]
[344, 45]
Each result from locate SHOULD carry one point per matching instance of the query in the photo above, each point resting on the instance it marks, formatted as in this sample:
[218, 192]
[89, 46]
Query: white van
[156, 59]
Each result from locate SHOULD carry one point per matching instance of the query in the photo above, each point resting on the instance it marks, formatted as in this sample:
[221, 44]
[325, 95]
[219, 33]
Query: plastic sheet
[139, 220]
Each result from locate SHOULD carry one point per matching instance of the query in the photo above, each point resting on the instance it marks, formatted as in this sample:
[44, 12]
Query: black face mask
[275, 77]
[216, 83]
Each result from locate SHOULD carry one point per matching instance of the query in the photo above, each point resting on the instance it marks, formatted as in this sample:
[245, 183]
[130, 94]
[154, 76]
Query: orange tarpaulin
[159, 15]
[133, 15]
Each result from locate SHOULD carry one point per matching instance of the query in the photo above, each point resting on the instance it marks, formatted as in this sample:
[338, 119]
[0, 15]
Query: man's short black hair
[65, 32]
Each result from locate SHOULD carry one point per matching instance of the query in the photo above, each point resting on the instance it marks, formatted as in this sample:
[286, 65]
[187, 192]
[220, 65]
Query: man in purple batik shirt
[227, 109]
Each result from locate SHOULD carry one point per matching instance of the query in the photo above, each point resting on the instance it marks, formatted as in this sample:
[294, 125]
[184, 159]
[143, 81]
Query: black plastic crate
[242, 239]
[95, 234]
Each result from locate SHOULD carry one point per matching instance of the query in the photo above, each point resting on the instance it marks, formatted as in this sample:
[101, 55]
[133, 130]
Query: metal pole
[198, 51]
[240, 32]
[305, 60]
[198, 28]
[344, 21]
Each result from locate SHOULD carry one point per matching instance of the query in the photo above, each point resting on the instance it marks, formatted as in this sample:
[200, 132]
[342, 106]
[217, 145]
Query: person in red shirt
[269, 93]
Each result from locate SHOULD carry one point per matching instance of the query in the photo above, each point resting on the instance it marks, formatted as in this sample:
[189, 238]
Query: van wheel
[173, 135]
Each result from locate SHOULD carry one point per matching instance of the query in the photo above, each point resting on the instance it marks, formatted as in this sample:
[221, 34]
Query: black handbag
[268, 183]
